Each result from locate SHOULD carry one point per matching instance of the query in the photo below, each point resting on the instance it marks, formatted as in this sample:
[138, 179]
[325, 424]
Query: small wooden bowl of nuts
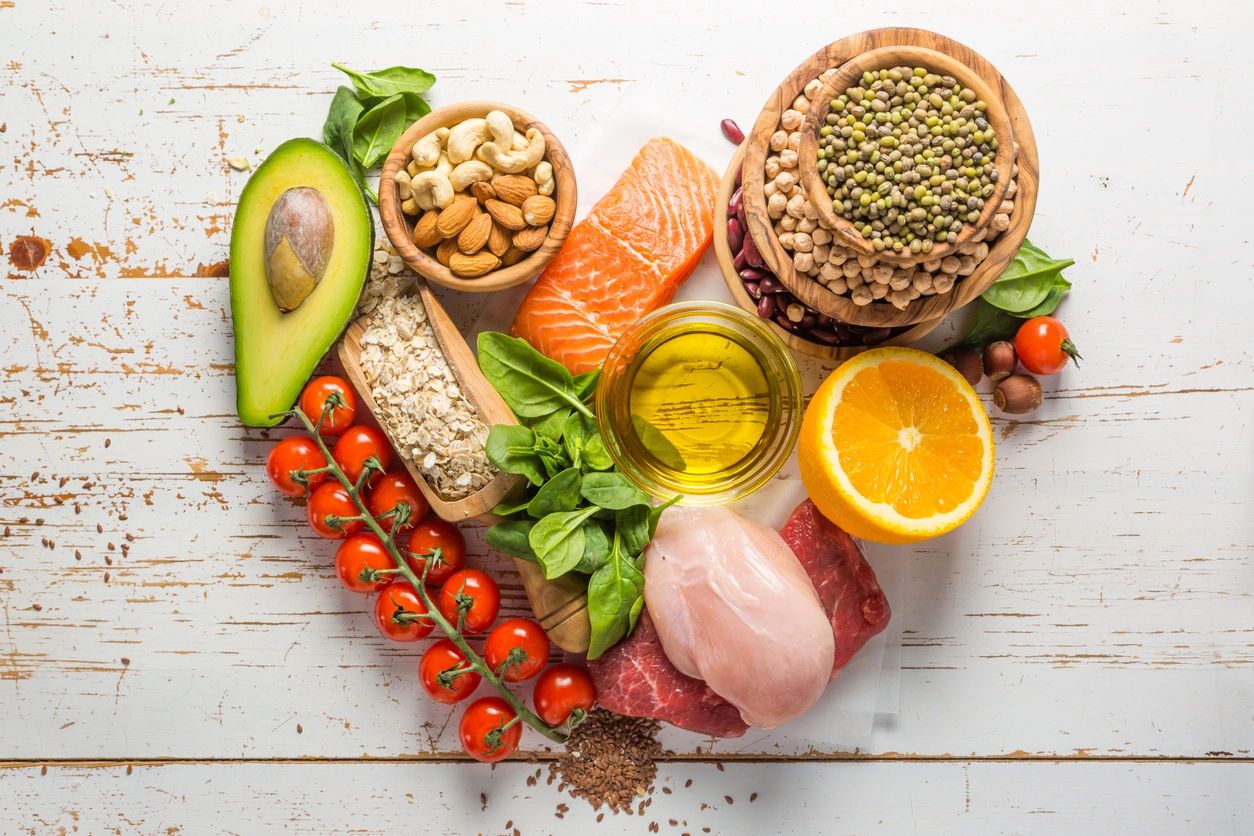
[477, 196]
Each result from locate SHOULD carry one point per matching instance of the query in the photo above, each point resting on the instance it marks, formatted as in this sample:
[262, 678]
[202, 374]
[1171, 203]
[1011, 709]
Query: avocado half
[283, 250]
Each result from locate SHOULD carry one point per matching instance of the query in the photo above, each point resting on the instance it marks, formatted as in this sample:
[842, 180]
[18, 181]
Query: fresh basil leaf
[511, 538]
[1026, 281]
[988, 325]
[510, 507]
[553, 424]
[511, 449]
[596, 548]
[613, 491]
[561, 493]
[615, 599]
[1051, 300]
[377, 131]
[532, 384]
[586, 384]
[558, 541]
[652, 439]
[388, 82]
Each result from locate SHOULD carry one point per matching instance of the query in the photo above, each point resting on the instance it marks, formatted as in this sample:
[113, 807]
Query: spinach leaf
[652, 439]
[613, 491]
[595, 456]
[561, 493]
[377, 130]
[1026, 281]
[389, 82]
[416, 107]
[638, 524]
[596, 548]
[576, 432]
[558, 540]
[341, 117]
[553, 424]
[511, 449]
[511, 538]
[586, 384]
[1050, 303]
[532, 384]
[552, 455]
[615, 599]
[510, 507]
[989, 325]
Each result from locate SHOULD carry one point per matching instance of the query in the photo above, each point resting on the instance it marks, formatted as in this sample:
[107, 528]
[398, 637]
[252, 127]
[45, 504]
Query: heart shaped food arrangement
[601, 440]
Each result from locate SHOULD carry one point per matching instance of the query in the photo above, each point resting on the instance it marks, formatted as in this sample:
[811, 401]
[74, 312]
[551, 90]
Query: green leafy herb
[509, 507]
[596, 548]
[638, 524]
[552, 425]
[656, 442]
[1050, 303]
[558, 540]
[615, 599]
[1026, 281]
[511, 449]
[377, 130]
[342, 116]
[388, 82]
[586, 384]
[613, 491]
[511, 538]
[989, 325]
[561, 493]
[532, 384]
[595, 456]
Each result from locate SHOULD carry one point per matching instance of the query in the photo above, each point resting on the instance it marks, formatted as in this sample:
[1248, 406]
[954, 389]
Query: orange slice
[895, 447]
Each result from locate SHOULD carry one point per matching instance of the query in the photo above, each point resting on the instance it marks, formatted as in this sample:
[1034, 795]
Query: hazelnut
[1000, 360]
[1017, 394]
[968, 363]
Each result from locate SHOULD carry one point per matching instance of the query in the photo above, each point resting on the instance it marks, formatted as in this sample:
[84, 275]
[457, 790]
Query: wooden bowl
[399, 228]
[722, 250]
[897, 56]
[836, 54]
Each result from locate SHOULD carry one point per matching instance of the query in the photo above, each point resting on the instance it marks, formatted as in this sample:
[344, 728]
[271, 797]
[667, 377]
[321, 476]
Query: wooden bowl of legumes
[477, 196]
[852, 281]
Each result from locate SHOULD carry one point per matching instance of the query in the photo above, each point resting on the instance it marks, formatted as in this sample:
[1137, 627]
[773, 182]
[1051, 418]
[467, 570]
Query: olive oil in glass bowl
[702, 400]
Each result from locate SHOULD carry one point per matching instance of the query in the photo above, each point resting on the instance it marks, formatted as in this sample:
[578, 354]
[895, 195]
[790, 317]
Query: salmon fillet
[637, 245]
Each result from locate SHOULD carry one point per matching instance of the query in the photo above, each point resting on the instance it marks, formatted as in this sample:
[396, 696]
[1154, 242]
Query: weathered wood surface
[1100, 607]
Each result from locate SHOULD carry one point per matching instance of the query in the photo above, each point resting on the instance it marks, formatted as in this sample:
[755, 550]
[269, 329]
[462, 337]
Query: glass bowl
[700, 400]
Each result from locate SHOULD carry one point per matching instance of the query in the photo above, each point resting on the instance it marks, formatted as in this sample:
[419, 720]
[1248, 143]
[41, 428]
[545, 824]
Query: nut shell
[1000, 360]
[1018, 394]
[968, 363]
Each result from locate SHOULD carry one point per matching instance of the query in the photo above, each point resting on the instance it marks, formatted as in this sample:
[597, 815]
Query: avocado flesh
[275, 352]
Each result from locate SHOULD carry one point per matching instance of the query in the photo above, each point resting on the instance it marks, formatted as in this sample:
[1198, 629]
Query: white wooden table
[177, 656]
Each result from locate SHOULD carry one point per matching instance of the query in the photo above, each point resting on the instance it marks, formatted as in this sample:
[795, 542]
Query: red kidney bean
[822, 335]
[808, 319]
[735, 206]
[825, 321]
[753, 290]
[739, 261]
[732, 131]
[752, 256]
[766, 306]
[784, 322]
[770, 284]
[749, 274]
[735, 235]
[740, 214]
[875, 336]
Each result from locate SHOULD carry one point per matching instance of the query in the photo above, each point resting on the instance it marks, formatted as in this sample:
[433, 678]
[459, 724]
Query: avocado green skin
[276, 352]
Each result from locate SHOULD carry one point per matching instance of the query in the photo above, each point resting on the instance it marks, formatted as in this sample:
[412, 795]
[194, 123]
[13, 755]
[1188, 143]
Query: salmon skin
[637, 245]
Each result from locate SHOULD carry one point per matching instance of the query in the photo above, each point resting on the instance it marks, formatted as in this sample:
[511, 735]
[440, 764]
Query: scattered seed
[238, 163]
[300, 729]
[732, 131]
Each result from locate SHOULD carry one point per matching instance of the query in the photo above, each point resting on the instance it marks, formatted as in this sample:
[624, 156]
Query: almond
[512, 256]
[538, 210]
[475, 235]
[514, 188]
[530, 238]
[498, 239]
[424, 231]
[506, 215]
[446, 250]
[455, 216]
[472, 266]
[482, 191]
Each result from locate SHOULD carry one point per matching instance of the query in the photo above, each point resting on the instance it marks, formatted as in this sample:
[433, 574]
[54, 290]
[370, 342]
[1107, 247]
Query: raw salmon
[637, 245]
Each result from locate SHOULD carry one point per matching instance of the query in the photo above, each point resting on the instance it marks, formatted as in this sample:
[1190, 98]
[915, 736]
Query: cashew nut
[510, 161]
[471, 171]
[465, 137]
[432, 190]
[543, 175]
[402, 185]
[517, 142]
[427, 150]
[500, 126]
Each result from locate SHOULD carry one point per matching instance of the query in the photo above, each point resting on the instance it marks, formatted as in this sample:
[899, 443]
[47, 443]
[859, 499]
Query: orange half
[896, 447]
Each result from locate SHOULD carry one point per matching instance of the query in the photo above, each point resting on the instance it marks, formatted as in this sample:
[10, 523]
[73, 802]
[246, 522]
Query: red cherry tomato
[560, 690]
[358, 444]
[516, 649]
[314, 399]
[429, 536]
[393, 489]
[288, 457]
[1044, 346]
[400, 614]
[485, 731]
[332, 500]
[476, 593]
[361, 553]
[441, 658]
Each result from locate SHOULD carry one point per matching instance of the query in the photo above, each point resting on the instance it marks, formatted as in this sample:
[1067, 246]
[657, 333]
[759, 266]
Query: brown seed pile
[609, 760]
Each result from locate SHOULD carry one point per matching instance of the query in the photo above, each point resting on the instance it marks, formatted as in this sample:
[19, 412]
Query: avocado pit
[300, 233]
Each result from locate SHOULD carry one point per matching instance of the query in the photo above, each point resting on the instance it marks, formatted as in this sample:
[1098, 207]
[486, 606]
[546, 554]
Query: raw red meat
[845, 581]
[635, 678]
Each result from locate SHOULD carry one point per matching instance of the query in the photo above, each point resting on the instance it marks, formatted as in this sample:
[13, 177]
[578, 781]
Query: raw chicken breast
[733, 607]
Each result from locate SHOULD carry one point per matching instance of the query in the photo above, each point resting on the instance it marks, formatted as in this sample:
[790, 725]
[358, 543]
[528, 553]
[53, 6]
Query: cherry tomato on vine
[358, 444]
[400, 614]
[441, 658]
[295, 453]
[560, 690]
[516, 649]
[485, 731]
[314, 399]
[434, 534]
[392, 489]
[332, 500]
[358, 554]
[474, 592]
[1044, 346]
